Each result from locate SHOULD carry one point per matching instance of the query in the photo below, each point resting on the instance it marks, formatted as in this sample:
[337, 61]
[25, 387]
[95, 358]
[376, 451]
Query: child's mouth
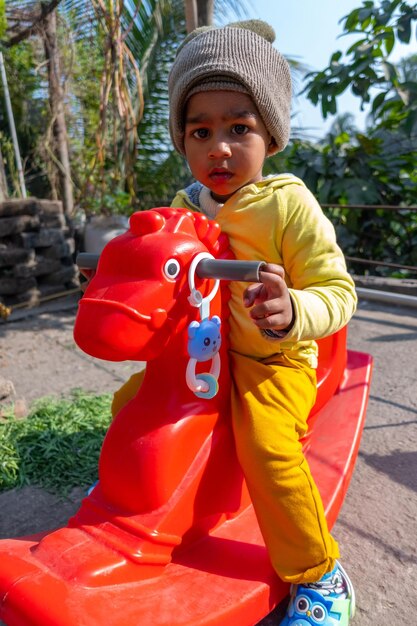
[220, 176]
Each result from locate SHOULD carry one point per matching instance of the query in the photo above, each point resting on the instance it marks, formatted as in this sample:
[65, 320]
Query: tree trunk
[56, 99]
[4, 193]
[205, 9]
[191, 18]
[198, 13]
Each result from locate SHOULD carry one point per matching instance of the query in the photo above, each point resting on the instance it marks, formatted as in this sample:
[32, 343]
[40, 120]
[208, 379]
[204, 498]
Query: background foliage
[375, 166]
[114, 56]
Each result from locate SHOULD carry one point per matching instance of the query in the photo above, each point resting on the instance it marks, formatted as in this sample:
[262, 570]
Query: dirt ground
[377, 527]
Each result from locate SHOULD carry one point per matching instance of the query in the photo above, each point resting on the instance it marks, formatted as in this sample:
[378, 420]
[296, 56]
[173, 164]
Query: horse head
[137, 300]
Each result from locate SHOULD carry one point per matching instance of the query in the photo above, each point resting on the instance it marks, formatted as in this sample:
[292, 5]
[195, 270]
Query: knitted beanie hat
[237, 57]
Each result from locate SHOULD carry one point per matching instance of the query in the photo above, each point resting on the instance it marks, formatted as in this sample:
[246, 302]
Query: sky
[309, 31]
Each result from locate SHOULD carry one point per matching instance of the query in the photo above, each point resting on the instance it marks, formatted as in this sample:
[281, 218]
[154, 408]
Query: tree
[20, 62]
[60, 148]
[119, 37]
[365, 68]
[23, 19]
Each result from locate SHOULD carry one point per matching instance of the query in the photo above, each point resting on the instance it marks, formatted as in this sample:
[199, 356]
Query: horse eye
[172, 268]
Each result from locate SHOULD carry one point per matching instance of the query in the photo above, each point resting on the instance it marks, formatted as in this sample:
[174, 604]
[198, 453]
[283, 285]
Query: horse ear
[182, 223]
[145, 222]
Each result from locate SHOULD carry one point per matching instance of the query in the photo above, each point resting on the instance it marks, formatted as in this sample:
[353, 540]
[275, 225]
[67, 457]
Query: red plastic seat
[331, 367]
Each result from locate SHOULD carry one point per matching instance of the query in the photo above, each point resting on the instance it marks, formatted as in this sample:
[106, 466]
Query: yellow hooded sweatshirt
[279, 221]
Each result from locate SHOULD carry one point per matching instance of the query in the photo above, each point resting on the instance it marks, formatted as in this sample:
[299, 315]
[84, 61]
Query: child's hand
[270, 299]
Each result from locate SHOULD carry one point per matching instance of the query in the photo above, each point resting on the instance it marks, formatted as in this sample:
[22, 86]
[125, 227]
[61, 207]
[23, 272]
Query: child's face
[225, 141]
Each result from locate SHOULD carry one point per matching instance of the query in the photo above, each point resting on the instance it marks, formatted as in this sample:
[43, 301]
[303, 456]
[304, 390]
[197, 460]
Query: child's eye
[201, 133]
[240, 129]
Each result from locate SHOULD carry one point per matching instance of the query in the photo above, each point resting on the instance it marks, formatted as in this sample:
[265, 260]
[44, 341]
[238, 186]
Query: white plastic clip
[196, 297]
[204, 339]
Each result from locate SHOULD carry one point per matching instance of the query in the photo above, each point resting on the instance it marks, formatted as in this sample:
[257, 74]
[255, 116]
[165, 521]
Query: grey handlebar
[229, 269]
[247, 271]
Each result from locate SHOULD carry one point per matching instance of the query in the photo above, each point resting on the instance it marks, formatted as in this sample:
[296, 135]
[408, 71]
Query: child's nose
[219, 148]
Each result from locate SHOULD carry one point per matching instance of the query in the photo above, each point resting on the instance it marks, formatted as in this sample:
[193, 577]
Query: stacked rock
[36, 251]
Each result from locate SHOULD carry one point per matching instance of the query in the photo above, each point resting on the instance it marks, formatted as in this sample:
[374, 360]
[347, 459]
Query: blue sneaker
[328, 602]
[90, 489]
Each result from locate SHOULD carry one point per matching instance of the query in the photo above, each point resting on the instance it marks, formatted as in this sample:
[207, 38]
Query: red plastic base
[224, 580]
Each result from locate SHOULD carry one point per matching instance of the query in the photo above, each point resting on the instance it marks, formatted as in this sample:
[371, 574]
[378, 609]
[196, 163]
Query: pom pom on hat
[261, 28]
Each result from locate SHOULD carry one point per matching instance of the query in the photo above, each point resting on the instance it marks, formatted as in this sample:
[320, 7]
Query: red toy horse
[164, 454]
[168, 536]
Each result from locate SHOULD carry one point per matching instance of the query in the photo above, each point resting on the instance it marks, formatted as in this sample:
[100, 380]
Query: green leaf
[390, 71]
[361, 65]
[410, 125]
[362, 42]
[378, 101]
[351, 19]
[332, 106]
[365, 14]
[404, 28]
[335, 58]
[389, 41]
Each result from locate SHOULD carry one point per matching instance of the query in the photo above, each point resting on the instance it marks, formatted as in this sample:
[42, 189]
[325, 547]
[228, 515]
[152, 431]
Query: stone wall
[36, 251]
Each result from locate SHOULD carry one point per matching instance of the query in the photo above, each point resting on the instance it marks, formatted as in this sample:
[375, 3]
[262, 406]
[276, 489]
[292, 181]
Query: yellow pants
[127, 392]
[270, 406]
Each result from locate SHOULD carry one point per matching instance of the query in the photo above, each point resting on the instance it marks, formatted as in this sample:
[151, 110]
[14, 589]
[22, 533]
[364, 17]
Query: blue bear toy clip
[204, 339]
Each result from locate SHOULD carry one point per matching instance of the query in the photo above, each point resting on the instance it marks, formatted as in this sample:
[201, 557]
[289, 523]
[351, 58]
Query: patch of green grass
[57, 446]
